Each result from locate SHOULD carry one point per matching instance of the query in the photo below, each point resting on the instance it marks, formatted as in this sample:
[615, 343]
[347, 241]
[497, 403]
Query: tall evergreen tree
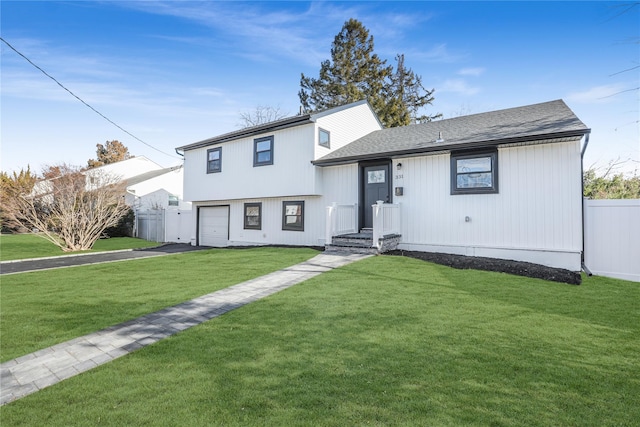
[355, 72]
[407, 96]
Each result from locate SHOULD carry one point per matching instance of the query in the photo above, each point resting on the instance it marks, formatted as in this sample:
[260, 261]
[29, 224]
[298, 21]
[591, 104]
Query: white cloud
[393, 27]
[471, 71]
[459, 86]
[302, 34]
[289, 33]
[439, 53]
[597, 94]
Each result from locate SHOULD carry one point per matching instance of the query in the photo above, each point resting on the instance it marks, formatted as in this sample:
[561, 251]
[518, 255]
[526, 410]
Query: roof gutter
[254, 130]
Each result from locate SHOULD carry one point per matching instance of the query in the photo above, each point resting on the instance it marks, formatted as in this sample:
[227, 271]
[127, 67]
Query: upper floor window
[263, 151]
[214, 160]
[324, 138]
[173, 200]
[474, 173]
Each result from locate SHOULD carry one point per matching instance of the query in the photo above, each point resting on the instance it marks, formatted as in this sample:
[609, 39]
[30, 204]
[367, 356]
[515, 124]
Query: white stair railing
[341, 219]
[386, 220]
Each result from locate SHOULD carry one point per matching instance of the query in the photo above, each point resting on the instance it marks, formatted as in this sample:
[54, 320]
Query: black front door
[376, 185]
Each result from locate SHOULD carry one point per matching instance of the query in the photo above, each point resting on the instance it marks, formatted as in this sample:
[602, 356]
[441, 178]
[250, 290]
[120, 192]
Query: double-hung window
[253, 216]
[474, 173]
[293, 216]
[214, 160]
[263, 151]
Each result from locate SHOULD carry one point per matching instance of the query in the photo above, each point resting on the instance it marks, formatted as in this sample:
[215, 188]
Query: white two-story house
[503, 184]
[258, 186]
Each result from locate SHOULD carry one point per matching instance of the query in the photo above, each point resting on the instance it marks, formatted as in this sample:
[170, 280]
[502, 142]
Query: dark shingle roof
[522, 124]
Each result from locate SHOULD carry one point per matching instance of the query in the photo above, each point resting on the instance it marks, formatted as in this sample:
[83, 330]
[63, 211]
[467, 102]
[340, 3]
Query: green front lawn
[23, 246]
[41, 309]
[385, 341]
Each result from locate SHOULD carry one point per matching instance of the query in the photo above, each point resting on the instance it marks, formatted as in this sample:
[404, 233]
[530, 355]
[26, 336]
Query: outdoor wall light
[399, 166]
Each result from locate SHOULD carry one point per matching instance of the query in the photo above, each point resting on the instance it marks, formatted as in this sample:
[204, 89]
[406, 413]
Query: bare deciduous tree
[260, 115]
[72, 209]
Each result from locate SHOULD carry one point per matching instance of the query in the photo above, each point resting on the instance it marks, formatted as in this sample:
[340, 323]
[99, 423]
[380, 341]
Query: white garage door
[213, 226]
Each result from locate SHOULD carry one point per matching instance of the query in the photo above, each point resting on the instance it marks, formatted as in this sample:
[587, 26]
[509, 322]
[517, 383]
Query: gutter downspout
[179, 153]
[584, 149]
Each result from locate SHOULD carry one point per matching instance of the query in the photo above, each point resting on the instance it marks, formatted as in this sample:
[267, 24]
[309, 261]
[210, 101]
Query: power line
[618, 93]
[624, 71]
[81, 100]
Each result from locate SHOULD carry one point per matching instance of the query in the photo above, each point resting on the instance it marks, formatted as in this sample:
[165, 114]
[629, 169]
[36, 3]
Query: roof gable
[288, 122]
[125, 169]
[529, 123]
[137, 179]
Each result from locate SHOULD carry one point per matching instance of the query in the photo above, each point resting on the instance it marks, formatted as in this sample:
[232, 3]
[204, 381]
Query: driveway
[35, 264]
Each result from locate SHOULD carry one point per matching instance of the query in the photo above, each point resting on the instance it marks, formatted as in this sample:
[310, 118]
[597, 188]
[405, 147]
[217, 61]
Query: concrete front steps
[362, 243]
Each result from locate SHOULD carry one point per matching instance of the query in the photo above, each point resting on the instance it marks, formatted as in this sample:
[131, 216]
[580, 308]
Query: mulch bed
[462, 262]
[492, 264]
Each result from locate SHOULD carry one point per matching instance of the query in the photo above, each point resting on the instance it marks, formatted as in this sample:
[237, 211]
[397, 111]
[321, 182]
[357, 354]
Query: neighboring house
[503, 184]
[126, 169]
[107, 174]
[148, 185]
[159, 189]
[154, 193]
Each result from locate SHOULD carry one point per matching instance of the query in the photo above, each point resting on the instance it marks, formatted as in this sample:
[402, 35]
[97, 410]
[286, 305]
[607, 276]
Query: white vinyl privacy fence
[162, 225]
[612, 238]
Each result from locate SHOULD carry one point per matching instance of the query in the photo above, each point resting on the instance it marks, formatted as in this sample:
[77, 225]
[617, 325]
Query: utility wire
[618, 93]
[624, 71]
[81, 100]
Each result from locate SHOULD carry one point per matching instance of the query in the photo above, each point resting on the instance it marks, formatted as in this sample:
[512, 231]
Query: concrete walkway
[28, 374]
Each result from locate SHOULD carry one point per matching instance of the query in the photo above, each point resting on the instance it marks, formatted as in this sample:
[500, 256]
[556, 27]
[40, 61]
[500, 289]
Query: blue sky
[177, 72]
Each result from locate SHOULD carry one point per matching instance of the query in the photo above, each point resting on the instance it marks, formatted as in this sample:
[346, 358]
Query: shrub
[124, 227]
